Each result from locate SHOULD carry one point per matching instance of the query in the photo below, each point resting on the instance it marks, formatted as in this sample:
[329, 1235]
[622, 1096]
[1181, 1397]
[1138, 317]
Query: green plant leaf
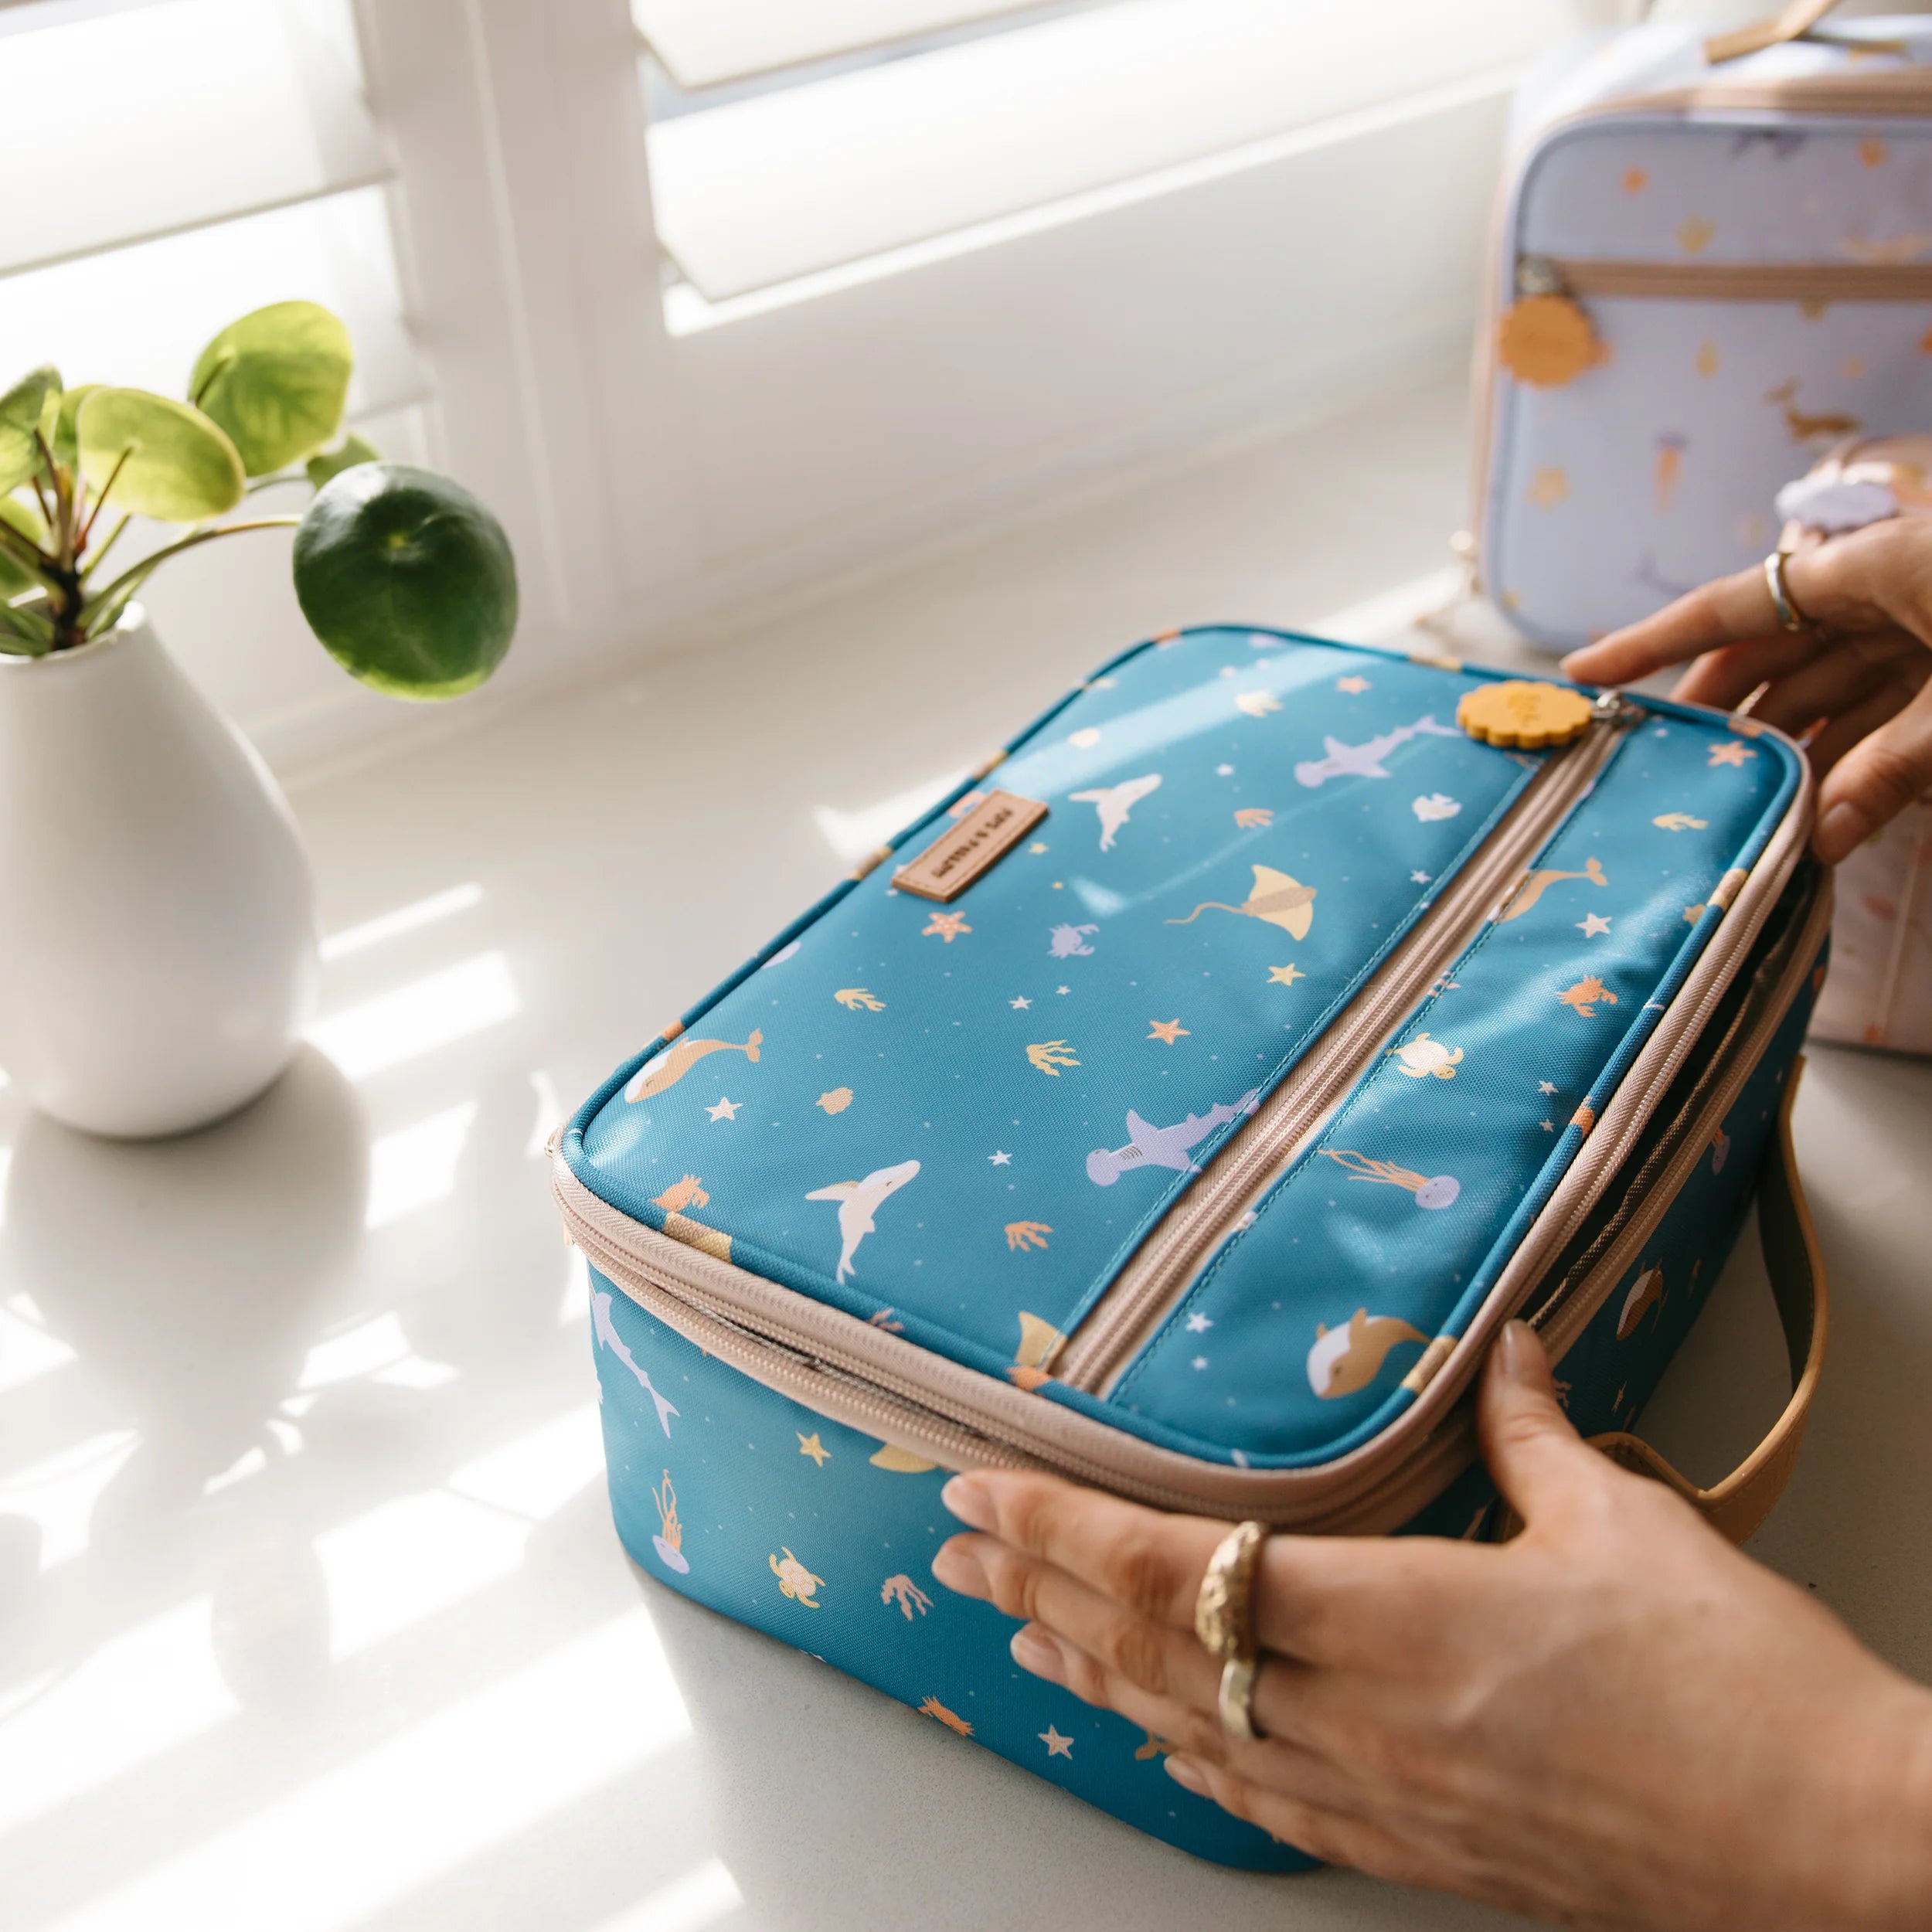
[20, 417]
[352, 449]
[276, 382]
[14, 576]
[66, 447]
[407, 580]
[180, 468]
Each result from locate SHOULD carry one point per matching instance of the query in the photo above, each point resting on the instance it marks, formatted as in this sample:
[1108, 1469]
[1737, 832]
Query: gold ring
[1789, 616]
[1237, 1698]
[1224, 1609]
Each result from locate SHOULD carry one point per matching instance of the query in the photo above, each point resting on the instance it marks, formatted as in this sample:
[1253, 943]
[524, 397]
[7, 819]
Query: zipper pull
[1537, 275]
[1613, 708]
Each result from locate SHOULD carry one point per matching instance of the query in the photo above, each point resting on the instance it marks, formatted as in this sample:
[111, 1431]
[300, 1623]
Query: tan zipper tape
[928, 1397]
[1747, 281]
[1159, 1276]
[1884, 92]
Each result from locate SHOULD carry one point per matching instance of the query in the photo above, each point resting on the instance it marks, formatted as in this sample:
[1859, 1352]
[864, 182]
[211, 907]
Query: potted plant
[159, 954]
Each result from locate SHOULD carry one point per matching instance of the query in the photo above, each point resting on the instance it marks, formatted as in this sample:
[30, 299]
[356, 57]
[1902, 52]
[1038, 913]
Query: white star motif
[1198, 1324]
[1019, 1005]
[1224, 771]
[1418, 878]
[1545, 1086]
[1056, 1745]
[725, 1109]
[1200, 1362]
[1547, 1126]
[1001, 1160]
[1592, 924]
[1063, 989]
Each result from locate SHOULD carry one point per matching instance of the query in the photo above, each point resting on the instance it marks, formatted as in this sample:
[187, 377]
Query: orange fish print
[658, 1076]
[1670, 469]
[1585, 994]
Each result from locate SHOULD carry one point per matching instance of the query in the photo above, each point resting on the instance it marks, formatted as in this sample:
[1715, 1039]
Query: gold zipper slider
[1538, 275]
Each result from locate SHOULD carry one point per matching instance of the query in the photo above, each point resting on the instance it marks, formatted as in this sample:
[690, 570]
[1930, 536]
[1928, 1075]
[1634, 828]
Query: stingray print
[1277, 899]
[858, 1201]
[659, 1075]
[1364, 761]
[1114, 802]
[1150, 1146]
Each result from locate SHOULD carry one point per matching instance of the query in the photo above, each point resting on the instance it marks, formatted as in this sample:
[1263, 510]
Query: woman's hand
[1863, 685]
[1615, 1719]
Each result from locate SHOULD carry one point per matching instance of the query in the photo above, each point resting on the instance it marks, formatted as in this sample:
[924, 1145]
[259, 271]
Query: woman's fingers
[1540, 1464]
[1877, 776]
[1723, 679]
[1728, 611]
[1842, 677]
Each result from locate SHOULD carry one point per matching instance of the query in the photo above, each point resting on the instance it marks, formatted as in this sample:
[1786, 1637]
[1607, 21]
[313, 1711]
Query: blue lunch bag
[1181, 1108]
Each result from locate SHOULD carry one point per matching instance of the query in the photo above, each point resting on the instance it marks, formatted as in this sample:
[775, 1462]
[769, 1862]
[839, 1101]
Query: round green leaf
[20, 410]
[14, 576]
[352, 449]
[276, 381]
[407, 580]
[179, 467]
[67, 447]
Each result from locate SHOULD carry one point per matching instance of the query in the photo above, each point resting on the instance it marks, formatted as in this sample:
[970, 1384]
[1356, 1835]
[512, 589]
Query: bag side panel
[819, 1536]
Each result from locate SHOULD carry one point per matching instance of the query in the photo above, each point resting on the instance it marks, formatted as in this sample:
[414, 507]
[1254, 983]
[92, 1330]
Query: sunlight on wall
[417, 1018]
[148, 1691]
[700, 1898]
[536, 1475]
[416, 1165]
[444, 1792]
[26, 1350]
[60, 1494]
[405, 919]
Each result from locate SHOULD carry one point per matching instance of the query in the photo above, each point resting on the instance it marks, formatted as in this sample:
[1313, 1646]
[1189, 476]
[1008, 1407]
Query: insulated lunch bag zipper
[1807, 284]
[1099, 1349]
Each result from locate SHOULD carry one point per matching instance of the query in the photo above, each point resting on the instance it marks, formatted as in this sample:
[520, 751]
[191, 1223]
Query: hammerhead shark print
[1149, 1146]
[657, 1076]
[605, 1331]
[1364, 761]
[858, 1201]
[1115, 802]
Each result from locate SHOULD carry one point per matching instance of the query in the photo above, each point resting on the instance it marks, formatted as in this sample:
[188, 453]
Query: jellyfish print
[1431, 1190]
[669, 1541]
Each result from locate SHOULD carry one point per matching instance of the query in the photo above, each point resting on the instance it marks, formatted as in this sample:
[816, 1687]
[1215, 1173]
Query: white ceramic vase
[157, 952]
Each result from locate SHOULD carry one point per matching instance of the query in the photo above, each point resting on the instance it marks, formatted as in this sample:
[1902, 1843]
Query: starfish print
[1548, 1127]
[1592, 924]
[1286, 975]
[1001, 1160]
[1547, 1087]
[1200, 1362]
[947, 926]
[1199, 1324]
[1354, 686]
[811, 1446]
[1734, 751]
[1056, 1746]
[1020, 1006]
[725, 1109]
[1420, 878]
[1169, 1030]
[1063, 989]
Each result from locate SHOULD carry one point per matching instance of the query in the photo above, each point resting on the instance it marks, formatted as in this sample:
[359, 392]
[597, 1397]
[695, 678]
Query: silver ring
[1789, 616]
[1237, 1698]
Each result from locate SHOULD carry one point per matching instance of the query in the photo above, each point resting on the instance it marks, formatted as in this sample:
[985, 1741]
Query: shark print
[1150, 1146]
[1114, 802]
[1277, 899]
[858, 1201]
[1364, 761]
[604, 1330]
[1343, 1360]
[657, 1076]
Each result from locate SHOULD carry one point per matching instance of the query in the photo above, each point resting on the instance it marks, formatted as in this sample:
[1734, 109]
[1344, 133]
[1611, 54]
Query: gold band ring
[1224, 1621]
[1789, 616]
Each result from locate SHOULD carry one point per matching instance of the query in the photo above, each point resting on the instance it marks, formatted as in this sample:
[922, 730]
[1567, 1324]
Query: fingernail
[1035, 1651]
[1522, 1354]
[969, 1500]
[958, 1569]
[1188, 1775]
[1838, 831]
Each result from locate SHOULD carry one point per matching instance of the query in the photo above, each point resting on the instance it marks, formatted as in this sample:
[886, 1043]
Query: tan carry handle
[1793, 23]
[1744, 1499]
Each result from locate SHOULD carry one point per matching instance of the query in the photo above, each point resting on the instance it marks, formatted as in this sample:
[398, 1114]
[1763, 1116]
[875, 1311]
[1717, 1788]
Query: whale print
[604, 1330]
[1345, 1360]
[858, 1201]
[1149, 1146]
[1276, 898]
[1537, 883]
[1364, 761]
[659, 1075]
[1114, 802]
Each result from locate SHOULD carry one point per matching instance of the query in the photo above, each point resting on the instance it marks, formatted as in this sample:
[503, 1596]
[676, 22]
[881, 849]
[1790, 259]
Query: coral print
[680, 1194]
[1278, 899]
[1254, 818]
[658, 1075]
[1022, 1235]
[1582, 997]
[668, 1543]
[906, 1594]
[1431, 1190]
[1049, 1057]
[797, 1582]
[1364, 761]
[1115, 802]
[858, 1201]
[855, 999]
[1150, 1146]
[1345, 1360]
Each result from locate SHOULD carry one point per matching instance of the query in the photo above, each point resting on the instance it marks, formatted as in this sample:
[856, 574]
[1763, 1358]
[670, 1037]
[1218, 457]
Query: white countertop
[311, 1616]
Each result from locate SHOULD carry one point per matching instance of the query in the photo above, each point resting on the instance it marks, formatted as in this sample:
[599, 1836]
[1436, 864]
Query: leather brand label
[971, 846]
